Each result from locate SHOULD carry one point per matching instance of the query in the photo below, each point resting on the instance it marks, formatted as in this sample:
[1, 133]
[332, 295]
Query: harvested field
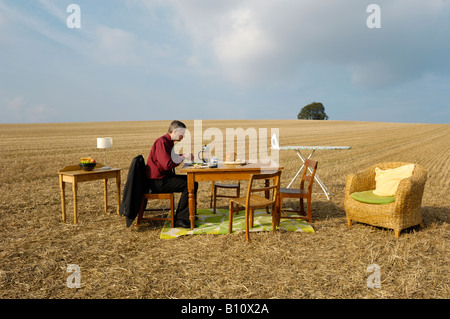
[119, 262]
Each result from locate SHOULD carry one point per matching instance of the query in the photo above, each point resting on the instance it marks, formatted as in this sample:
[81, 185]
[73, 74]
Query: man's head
[177, 130]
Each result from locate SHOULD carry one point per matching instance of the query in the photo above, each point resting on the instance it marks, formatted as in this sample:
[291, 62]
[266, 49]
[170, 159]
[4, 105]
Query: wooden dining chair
[214, 194]
[301, 193]
[143, 208]
[252, 201]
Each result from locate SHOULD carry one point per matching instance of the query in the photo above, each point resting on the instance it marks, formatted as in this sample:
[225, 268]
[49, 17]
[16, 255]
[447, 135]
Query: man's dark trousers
[174, 184]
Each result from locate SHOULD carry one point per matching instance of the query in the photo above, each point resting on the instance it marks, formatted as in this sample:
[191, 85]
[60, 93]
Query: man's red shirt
[160, 163]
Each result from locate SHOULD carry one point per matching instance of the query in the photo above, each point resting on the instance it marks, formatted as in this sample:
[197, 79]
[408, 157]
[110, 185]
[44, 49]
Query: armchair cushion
[370, 198]
[387, 180]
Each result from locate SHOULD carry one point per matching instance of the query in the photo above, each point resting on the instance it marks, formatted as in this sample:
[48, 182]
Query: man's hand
[185, 156]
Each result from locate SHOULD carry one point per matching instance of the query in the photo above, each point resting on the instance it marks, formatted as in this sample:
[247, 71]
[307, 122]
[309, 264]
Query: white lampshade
[104, 142]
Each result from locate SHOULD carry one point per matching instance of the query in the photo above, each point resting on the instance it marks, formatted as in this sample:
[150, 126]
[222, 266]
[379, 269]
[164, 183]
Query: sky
[138, 60]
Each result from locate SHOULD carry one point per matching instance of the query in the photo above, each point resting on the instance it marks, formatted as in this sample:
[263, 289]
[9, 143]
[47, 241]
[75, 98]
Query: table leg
[106, 195]
[62, 185]
[191, 190]
[75, 203]
[118, 192]
[276, 212]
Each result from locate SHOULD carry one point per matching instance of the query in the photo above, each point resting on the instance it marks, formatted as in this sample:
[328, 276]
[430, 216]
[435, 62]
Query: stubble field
[119, 262]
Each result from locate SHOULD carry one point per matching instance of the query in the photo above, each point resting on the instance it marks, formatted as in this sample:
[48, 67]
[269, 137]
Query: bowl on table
[87, 165]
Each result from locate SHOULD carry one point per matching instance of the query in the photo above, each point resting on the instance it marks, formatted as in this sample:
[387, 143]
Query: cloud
[116, 46]
[241, 44]
[109, 45]
[44, 18]
[248, 56]
[39, 113]
[15, 105]
[259, 41]
[56, 11]
[18, 108]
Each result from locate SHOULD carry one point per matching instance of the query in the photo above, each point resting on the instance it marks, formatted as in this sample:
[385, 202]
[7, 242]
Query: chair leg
[230, 218]
[252, 215]
[172, 212]
[308, 204]
[247, 231]
[214, 200]
[397, 233]
[349, 222]
[278, 213]
[212, 194]
[141, 213]
[274, 213]
[280, 205]
[302, 208]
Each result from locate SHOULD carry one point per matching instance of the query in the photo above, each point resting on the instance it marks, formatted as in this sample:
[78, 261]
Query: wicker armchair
[403, 213]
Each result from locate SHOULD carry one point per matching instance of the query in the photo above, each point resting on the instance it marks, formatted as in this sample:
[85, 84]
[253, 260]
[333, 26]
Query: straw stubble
[120, 262]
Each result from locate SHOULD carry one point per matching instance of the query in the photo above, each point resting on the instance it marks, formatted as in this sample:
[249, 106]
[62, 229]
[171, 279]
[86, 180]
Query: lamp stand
[106, 165]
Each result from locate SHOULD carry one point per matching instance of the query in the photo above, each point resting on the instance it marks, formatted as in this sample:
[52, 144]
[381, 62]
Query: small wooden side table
[74, 174]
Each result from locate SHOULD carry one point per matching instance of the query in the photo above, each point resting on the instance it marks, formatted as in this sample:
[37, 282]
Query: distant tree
[313, 111]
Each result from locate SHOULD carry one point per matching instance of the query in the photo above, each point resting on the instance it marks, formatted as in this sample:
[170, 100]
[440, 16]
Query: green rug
[209, 223]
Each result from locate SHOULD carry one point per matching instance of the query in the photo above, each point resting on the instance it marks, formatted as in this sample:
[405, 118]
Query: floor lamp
[104, 142]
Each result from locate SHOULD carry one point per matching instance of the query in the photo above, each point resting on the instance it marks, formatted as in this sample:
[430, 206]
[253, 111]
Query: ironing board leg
[325, 189]
[303, 160]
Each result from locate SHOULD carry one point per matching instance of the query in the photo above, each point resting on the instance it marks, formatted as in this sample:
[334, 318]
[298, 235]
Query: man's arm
[165, 156]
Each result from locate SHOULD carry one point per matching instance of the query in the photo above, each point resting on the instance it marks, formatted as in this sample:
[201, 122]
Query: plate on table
[197, 164]
[235, 163]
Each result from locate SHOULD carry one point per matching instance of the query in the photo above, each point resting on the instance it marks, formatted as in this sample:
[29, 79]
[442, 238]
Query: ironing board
[298, 150]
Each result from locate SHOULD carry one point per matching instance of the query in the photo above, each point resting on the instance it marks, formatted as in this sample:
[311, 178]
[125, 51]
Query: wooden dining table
[222, 172]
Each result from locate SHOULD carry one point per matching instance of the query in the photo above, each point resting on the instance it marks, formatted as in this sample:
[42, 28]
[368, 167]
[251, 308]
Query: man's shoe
[182, 223]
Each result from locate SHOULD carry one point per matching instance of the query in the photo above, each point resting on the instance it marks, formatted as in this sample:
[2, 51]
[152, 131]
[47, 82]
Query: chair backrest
[273, 187]
[309, 165]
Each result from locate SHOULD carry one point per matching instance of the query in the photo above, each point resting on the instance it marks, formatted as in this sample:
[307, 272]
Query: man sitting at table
[160, 169]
